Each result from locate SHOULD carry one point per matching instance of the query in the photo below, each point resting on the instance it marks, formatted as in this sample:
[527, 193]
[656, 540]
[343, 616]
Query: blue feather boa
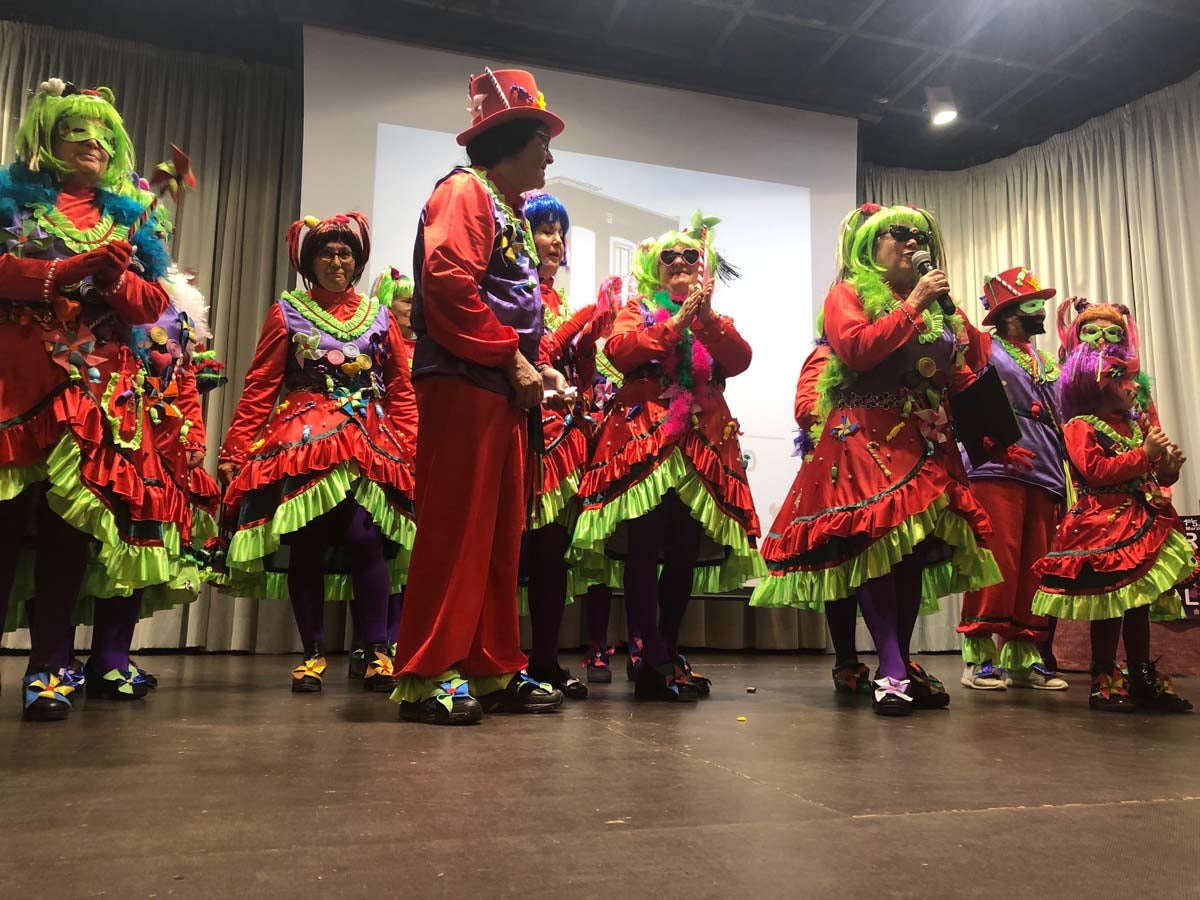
[21, 189]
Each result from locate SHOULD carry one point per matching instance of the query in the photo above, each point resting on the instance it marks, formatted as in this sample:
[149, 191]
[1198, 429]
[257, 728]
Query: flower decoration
[307, 345]
[869, 209]
[934, 424]
[312, 668]
[26, 235]
[844, 429]
[74, 351]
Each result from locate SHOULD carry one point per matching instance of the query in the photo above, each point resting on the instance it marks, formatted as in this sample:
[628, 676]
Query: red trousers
[460, 606]
[1023, 520]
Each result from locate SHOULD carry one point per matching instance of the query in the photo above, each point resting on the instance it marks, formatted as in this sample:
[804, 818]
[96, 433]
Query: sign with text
[1191, 595]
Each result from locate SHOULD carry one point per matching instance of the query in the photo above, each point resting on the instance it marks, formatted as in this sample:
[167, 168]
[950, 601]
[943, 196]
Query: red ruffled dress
[565, 434]
[73, 414]
[885, 478]
[1120, 546]
[637, 459]
[327, 413]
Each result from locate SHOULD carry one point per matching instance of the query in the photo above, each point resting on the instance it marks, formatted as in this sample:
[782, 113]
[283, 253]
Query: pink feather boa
[681, 399]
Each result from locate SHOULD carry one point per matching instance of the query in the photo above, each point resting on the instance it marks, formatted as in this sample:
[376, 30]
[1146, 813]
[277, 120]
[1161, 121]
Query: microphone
[923, 263]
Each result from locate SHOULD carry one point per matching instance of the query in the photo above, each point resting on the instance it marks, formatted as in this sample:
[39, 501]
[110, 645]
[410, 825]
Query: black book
[983, 411]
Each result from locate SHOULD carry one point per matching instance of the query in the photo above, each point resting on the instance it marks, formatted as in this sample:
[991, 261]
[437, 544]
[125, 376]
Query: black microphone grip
[923, 263]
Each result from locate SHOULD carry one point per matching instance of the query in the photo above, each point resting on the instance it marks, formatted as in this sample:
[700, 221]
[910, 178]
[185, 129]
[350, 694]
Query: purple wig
[1090, 378]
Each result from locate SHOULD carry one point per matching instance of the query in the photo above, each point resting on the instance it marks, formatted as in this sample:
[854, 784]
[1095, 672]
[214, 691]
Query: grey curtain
[241, 124]
[1110, 211]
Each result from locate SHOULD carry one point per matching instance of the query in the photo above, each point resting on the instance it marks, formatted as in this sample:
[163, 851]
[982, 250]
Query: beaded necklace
[1041, 368]
[364, 316]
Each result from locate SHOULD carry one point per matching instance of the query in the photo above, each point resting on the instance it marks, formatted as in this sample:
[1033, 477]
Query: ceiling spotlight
[940, 103]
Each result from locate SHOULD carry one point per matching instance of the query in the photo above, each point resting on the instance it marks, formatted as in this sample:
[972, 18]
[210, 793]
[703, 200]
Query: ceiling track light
[939, 101]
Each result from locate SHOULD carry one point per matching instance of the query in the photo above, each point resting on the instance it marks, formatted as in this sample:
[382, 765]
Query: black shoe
[306, 677]
[151, 680]
[1152, 692]
[522, 695]
[661, 683]
[1110, 692]
[378, 674]
[462, 711]
[358, 664]
[115, 684]
[926, 690]
[559, 678]
[892, 697]
[596, 668]
[45, 696]
[634, 662]
[683, 672]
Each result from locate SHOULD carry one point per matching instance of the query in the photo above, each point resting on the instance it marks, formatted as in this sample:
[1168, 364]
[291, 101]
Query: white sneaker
[982, 677]
[1039, 678]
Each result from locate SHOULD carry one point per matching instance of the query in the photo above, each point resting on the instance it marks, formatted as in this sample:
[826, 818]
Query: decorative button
[174, 349]
[335, 357]
[926, 367]
[351, 350]
[364, 362]
[158, 334]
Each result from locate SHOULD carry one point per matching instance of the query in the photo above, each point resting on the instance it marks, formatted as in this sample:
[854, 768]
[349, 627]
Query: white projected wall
[379, 133]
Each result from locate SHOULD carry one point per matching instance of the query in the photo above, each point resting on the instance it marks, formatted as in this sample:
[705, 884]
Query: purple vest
[509, 287]
[913, 367]
[1041, 434]
[162, 346]
[319, 359]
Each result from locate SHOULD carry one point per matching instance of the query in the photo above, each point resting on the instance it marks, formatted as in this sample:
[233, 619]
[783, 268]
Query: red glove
[1019, 458]
[117, 257]
[74, 269]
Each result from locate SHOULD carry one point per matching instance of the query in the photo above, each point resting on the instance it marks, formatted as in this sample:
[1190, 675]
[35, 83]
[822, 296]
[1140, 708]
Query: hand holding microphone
[932, 285]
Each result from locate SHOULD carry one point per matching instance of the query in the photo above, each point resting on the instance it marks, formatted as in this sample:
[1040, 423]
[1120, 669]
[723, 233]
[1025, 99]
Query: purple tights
[890, 605]
[1106, 634]
[58, 575]
[668, 532]
[351, 525]
[547, 592]
[112, 632]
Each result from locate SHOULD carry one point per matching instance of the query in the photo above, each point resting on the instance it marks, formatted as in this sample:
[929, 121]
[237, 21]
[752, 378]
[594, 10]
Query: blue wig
[542, 208]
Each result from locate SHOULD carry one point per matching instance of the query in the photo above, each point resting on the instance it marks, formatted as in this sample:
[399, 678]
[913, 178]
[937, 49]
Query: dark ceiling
[1020, 70]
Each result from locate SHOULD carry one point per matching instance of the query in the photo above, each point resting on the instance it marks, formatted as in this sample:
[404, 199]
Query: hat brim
[544, 116]
[1043, 294]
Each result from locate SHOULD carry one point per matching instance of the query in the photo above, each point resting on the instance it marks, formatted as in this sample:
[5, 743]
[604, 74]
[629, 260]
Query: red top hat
[1009, 287]
[499, 96]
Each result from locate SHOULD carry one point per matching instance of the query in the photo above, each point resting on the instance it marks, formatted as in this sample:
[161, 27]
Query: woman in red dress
[319, 453]
[78, 267]
[667, 485]
[882, 510]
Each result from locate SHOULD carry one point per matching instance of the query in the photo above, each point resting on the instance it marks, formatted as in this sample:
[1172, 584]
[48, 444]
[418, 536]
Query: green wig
[390, 286]
[858, 231]
[645, 260]
[56, 100]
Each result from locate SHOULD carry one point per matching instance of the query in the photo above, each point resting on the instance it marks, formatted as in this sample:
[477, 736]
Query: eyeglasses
[343, 256]
[691, 256]
[902, 234]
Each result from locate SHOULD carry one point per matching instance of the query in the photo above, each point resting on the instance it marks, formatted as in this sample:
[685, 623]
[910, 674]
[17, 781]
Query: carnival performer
[319, 452]
[599, 380]
[1022, 493]
[79, 266]
[171, 358]
[850, 675]
[477, 313]
[1119, 553]
[883, 510]
[562, 455]
[393, 291]
[667, 485]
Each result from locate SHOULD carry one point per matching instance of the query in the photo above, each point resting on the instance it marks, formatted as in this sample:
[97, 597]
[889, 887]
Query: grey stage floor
[224, 785]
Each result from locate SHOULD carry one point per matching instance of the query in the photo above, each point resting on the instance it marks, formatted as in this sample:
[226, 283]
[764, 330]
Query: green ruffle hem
[591, 565]
[969, 567]
[249, 547]
[1173, 565]
[556, 507]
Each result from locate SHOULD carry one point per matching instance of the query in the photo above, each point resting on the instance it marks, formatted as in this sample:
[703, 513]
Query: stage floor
[224, 784]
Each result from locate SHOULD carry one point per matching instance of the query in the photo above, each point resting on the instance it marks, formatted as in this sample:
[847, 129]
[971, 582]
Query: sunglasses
[902, 234]
[691, 256]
